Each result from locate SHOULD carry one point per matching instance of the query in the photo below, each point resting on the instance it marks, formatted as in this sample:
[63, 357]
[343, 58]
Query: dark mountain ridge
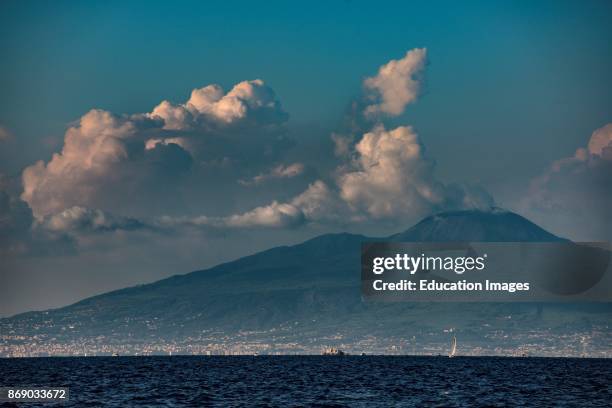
[314, 285]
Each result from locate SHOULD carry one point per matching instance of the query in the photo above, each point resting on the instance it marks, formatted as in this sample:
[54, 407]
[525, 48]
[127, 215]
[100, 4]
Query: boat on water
[453, 349]
[332, 351]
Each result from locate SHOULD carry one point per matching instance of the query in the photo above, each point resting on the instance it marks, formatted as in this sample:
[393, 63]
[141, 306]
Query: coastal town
[286, 340]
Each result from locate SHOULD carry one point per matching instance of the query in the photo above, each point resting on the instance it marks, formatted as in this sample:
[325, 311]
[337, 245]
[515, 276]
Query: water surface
[352, 381]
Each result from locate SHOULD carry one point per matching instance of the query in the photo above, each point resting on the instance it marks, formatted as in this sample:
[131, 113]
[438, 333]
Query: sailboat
[453, 349]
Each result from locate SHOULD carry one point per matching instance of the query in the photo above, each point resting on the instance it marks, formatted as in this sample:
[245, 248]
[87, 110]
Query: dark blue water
[317, 381]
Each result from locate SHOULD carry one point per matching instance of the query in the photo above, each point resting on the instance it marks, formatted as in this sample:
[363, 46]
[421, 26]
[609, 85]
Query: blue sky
[500, 74]
[507, 90]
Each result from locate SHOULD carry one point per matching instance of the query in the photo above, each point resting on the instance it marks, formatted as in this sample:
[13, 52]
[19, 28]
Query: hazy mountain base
[304, 297]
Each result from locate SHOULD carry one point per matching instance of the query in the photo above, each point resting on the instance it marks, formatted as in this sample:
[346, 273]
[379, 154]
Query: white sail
[453, 347]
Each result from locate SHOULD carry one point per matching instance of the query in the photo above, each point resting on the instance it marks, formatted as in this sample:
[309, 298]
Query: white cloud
[396, 84]
[274, 215]
[317, 204]
[105, 157]
[573, 197]
[392, 176]
[141, 158]
[279, 172]
[321, 204]
[179, 141]
[80, 219]
[203, 99]
[390, 179]
[91, 149]
[109, 162]
[175, 117]
[601, 141]
[247, 100]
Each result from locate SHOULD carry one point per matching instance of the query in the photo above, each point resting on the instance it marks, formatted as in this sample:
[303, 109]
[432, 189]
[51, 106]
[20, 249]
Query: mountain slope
[313, 287]
[475, 226]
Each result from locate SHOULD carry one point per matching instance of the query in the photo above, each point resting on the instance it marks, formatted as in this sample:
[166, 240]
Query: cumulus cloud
[221, 141]
[322, 204]
[392, 175]
[80, 219]
[274, 215]
[90, 149]
[386, 94]
[145, 158]
[175, 117]
[246, 101]
[179, 141]
[389, 179]
[278, 172]
[384, 174]
[574, 195]
[393, 178]
[102, 153]
[317, 204]
[601, 142]
[396, 84]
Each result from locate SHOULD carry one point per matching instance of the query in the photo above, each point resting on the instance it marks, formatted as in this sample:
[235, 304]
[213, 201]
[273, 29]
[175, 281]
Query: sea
[316, 381]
